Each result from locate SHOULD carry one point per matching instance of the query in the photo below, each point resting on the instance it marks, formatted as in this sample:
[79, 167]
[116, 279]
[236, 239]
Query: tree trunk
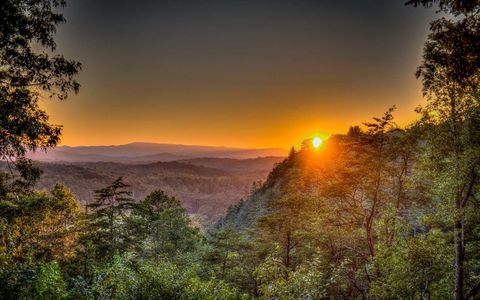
[458, 226]
[459, 259]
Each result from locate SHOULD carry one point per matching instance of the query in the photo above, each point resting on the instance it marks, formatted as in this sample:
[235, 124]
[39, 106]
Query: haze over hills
[207, 180]
[206, 187]
[149, 152]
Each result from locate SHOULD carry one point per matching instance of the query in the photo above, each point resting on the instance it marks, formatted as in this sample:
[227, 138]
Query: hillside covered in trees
[206, 187]
[381, 212]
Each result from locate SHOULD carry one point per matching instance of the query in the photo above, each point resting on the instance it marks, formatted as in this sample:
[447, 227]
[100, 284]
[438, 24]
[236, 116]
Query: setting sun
[317, 142]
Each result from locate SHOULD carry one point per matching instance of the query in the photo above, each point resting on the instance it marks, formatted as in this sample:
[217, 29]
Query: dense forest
[381, 212]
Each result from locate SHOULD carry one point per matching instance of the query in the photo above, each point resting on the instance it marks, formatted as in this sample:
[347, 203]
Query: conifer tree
[105, 218]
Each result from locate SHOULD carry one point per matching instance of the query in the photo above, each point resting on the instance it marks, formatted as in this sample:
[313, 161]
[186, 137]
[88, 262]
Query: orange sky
[241, 74]
[279, 126]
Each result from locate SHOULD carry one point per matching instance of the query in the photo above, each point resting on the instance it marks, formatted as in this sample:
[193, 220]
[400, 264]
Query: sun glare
[316, 142]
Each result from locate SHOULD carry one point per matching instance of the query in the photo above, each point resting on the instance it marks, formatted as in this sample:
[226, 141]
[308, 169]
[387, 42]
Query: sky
[257, 73]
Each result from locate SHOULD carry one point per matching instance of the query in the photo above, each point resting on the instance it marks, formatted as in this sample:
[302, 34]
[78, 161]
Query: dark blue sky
[237, 73]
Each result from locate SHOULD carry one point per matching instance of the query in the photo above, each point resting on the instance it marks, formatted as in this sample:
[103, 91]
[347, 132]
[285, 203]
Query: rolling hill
[205, 186]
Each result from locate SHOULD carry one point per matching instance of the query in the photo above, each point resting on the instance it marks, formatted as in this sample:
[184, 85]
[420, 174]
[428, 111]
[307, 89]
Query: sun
[316, 142]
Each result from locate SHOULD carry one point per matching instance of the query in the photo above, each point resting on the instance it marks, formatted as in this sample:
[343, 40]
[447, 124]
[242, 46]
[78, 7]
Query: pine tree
[105, 219]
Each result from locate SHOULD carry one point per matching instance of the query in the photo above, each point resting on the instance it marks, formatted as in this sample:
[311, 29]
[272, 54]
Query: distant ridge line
[150, 152]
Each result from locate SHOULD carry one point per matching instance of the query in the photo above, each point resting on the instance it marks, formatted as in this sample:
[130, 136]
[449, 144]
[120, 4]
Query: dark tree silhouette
[27, 71]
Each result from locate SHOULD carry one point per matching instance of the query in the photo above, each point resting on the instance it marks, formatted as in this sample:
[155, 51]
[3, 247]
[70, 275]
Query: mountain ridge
[150, 152]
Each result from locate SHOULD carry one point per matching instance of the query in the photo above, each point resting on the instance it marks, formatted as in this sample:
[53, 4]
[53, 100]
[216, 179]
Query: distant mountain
[149, 152]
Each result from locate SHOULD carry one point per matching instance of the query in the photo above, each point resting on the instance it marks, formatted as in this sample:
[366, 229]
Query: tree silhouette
[27, 31]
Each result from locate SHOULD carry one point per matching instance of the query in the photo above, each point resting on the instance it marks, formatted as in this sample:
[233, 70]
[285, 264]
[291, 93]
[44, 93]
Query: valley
[206, 187]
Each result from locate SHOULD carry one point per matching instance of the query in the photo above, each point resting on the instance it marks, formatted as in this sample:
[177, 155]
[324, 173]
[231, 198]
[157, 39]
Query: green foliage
[159, 225]
[40, 227]
[46, 283]
[288, 224]
[104, 227]
[370, 216]
[414, 267]
[307, 282]
[115, 281]
[272, 275]
[160, 242]
[332, 211]
[164, 280]
[450, 73]
[155, 279]
[32, 281]
[232, 256]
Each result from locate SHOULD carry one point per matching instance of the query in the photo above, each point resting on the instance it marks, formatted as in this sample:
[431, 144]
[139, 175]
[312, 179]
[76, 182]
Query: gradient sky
[236, 73]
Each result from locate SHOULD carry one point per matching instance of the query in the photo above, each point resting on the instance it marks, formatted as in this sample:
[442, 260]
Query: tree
[277, 282]
[455, 7]
[159, 225]
[360, 185]
[46, 282]
[40, 227]
[233, 256]
[450, 73]
[26, 72]
[414, 267]
[105, 220]
[36, 232]
[286, 225]
[155, 279]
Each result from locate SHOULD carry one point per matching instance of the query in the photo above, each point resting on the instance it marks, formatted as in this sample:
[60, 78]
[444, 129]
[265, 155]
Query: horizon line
[173, 144]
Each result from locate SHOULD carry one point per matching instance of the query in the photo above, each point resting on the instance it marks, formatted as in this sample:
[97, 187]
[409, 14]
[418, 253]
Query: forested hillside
[206, 187]
[364, 216]
[311, 172]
